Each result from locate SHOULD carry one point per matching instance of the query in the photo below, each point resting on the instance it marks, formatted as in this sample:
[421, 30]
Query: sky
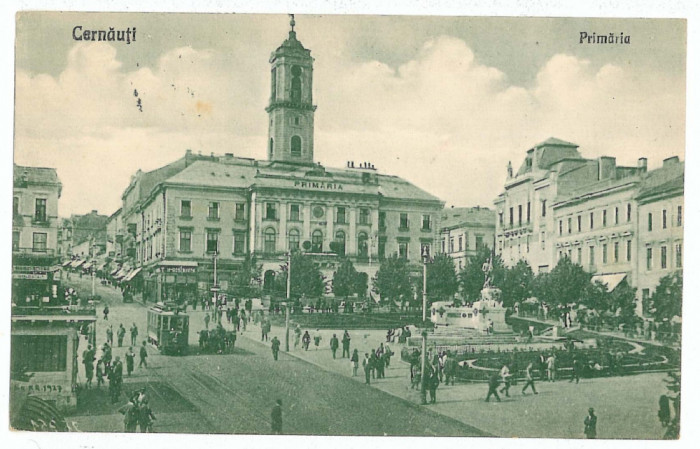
[444, 102]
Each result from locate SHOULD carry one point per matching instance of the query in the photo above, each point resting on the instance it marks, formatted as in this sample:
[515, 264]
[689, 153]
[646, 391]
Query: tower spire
[292, 22]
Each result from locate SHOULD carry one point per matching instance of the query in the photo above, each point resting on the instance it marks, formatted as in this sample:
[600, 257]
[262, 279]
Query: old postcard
[345, 225]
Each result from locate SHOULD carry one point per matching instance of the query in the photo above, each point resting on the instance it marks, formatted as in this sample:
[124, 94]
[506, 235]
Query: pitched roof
[666, 179]
[468, 216]
[553, 141]
[35, 175]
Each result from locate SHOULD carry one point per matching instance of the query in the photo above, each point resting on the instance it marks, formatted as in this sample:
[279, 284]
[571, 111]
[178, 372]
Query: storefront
[171, 281]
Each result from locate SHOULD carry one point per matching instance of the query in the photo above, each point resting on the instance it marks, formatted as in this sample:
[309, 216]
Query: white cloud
[442, 120]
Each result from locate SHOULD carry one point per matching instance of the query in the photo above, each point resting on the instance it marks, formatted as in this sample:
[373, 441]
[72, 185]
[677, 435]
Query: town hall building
[181, 219]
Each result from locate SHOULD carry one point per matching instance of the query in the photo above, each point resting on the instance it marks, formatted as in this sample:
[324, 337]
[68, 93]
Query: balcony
[38, 252]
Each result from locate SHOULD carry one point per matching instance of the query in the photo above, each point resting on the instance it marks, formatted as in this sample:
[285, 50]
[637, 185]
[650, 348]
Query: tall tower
[291, 110]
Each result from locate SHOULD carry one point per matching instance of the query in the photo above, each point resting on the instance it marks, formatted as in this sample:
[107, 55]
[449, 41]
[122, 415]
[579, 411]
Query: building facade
[594, 212]
[204, 210]
[464, 231]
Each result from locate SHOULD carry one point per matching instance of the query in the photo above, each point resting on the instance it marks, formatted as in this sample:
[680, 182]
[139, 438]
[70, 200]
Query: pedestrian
[207, 318]
[551, 367]
[317, 339]
[107, 356]
[131, 415]
[334, 345]
[590, 424]
[450, 368]
[244, 319]
[121, 332]
[134, 334]
[88, 360]
[664, 410]
[105, 312]
[542, 366]
[297, 335]
[354, 361]
[373, 363]
[143, 354]
[276, 417]
[100, 372]
[346, 344]
[529, 380]
[433, 382]
[110, 335]
[306, 340]
[115, 380]
[145, 416]
[275, 347]
[505, 378]
[494, 382]
[575, 370]
[265, 327]
[130, 361]
[366, 366]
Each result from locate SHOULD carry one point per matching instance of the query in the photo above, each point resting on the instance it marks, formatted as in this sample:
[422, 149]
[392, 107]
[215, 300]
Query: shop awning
[178, 263]
[611, 281]
[77, 263]
[115, 271]
[132, 274]
[66, 263]
[123, 271]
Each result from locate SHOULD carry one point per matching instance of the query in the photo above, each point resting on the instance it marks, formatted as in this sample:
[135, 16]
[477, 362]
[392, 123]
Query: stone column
[282, 237]
[351, 239]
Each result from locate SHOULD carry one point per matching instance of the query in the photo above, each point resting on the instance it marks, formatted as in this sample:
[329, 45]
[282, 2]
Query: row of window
[39, 209]
[462, 243]
[295, 144]
[213, 210]
[664, 257]
[605, 253]
[39, 241]
[664, 219]
[604, 220]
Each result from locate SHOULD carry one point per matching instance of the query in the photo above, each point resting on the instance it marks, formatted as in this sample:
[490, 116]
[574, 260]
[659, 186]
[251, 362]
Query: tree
[249, 272]
[442, 279]
[623, 304]
[516, 283]
[306, 278]
[666, 302]
[393, 280]
[472, 276]
[347, 281]
[565, 284]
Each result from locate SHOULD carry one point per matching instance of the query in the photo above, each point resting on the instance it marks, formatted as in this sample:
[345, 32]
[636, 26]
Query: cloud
[443, 120]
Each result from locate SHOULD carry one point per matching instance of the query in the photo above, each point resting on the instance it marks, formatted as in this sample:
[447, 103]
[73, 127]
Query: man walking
[121, 332]
[105, 312]
[275, 347]
[276, 417]
[88, 360]
[134, 333]
[575, 370]
[529, 380]
[334, 345]
[143, 354]
[505, 378]
[346, 344]
[494, 381]
[130, 361]
[115, 380]
[551, 368]
[110, 335]
[589, 424]
[207, 318]
[366, 365]
[355, 361]
[297, 336]
[306, 340]
[450, 369]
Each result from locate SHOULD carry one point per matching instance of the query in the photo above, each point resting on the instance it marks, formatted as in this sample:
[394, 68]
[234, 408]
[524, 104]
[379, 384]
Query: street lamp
[424, 333]
[289, 288]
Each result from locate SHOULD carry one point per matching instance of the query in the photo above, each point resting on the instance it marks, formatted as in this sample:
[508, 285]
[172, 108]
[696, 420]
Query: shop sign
[179, 269]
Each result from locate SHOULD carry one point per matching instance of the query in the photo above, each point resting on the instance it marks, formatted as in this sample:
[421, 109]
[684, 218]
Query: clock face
[318, 212]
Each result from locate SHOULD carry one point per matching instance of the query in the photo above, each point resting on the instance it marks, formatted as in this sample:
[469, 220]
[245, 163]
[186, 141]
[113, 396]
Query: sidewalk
[626, 405]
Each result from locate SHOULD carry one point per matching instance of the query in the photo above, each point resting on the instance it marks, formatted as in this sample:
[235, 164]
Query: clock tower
[291, 108]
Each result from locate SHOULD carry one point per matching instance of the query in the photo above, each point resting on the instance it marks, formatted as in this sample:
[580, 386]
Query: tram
[168, 328]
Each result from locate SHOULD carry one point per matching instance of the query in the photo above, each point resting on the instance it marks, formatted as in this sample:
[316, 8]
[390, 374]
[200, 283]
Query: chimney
[606, 167]
[642, 164]
[229, 155]
[94, 212]
[671, 161]
[188, 153]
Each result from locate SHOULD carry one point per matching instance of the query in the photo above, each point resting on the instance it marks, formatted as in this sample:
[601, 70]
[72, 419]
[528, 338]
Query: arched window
[272, 147]
[293, 239]
[362, 248]
[270, 241]
[296, 84]
[317, 241]
[339, 243]
[296, 146]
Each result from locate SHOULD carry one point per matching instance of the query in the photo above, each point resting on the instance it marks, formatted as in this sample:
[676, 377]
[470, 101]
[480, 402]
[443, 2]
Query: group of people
[112, 369]
[217, 340]
[375, 362]
[137, 412]
[121, 333]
